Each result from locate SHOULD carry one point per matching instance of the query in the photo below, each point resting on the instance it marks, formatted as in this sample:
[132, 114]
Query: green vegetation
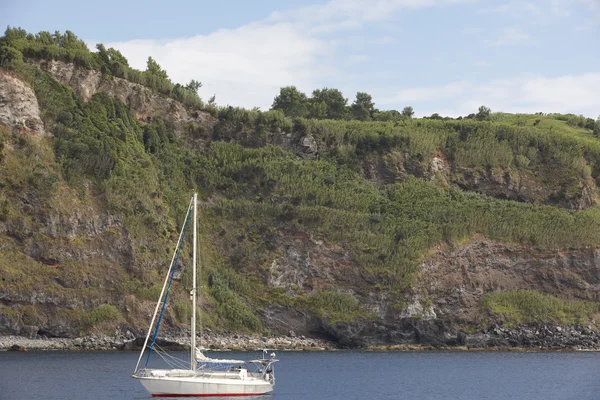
[17, 45]
[183, 312]
[531, 307]
[102, 157]
[335, 306]
[224, 287]
[102, 313]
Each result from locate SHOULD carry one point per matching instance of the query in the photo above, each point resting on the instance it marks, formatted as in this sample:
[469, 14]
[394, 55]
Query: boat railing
[143, 373]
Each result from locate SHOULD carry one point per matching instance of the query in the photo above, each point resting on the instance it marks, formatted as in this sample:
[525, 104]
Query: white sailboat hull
[197, 386]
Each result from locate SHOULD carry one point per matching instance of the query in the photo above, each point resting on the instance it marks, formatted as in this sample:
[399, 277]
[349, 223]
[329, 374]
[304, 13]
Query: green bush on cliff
[531, 307]
[335, 306]
[237, 314]
[103, 313]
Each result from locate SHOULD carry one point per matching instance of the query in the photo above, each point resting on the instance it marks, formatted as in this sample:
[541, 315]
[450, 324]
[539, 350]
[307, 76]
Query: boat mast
[163, 289]
[193, 338]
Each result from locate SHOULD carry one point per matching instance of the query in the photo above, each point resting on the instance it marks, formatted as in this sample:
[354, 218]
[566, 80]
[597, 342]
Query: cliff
[444, 233]
[18, 105]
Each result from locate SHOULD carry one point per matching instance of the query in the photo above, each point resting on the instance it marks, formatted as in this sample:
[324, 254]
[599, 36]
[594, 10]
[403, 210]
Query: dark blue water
[325, 375]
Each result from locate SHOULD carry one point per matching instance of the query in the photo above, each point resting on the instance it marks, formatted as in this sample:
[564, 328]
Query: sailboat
[202, 376]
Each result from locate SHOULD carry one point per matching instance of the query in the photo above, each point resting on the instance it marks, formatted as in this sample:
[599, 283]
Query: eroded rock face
[523, 186]
[144, 103]
[538, 187]
[455, 280]
[309, 265]
[18, 105]
[445, 302]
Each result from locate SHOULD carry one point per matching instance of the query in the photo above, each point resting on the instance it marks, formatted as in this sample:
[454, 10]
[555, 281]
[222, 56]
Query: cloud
[246, 66]
[591, 4]
[344, 14]
[510, 37]
[567, 93]
[428, 93]
[513, 8]
[544, 11]
[481, 64]
[358, 58]
[243, 66]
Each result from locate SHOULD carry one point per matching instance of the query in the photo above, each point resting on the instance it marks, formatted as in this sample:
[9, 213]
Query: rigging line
[175, 360]
[168, 289]
[171, 361]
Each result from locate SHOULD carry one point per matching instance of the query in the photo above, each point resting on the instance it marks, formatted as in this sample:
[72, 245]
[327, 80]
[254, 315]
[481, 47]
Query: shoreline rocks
[215, 342]
[544, 337]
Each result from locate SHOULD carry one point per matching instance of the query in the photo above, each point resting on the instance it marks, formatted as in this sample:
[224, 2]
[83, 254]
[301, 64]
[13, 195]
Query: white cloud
[592, 4]
[541, 11]
[568, 93]
[509, 37]
[343, 14]
[513, 8]
[428, 93]
[246, 66]
[358, 58]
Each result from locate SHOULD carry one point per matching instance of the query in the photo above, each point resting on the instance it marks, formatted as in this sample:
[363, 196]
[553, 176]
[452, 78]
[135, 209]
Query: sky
[438, 56]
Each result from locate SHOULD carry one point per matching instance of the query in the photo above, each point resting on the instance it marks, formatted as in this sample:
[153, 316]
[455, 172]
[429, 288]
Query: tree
[408, 112]
[363, 107]
[334, 100]
[45, 38]
[113, 60]
[483, 114]
[14, 34]
[291, 102]
[193, 86]
[589, 124]
[389, 115]
[102, 54]
[154, 69]
[118, 63]
[317, 109]
[10, 57]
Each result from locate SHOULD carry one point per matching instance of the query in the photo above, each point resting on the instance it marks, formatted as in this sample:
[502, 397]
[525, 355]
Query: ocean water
[325, 375]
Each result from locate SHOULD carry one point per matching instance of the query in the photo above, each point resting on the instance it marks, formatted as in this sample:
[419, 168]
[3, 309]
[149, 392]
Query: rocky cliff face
[456, 279]
[444, 306]
[18, 105]
[61, 251]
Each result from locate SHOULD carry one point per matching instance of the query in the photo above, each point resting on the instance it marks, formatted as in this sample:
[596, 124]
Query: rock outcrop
[456, 279]
[144, 103]
[18, 105]
[502, 183]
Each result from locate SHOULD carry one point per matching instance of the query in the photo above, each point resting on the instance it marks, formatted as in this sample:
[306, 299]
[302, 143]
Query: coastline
[212, 342]
[234, 342]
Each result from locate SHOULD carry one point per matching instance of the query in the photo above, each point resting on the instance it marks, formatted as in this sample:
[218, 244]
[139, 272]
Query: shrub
[103, 313]
[531, 307]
